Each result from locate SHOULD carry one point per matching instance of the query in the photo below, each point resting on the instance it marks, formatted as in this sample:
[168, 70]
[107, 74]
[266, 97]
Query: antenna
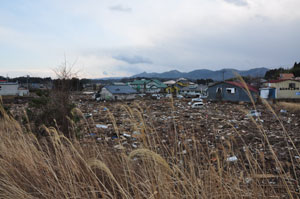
[27, 81]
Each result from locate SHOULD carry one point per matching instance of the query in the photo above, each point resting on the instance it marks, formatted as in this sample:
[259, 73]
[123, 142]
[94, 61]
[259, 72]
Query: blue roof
[120, 89]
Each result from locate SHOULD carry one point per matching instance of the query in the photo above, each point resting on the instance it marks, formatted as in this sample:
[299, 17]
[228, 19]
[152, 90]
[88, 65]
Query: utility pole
[223, 71]
[28, 82]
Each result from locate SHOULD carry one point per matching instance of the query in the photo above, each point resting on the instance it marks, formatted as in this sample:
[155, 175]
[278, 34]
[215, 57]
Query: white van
[197, 100]
[197, 105]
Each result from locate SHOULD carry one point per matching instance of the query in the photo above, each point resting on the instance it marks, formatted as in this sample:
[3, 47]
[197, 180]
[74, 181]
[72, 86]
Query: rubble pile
[211, 125]
[224, 130]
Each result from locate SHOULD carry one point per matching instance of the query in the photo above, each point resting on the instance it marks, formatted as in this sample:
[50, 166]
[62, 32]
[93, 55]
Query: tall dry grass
[56, 167]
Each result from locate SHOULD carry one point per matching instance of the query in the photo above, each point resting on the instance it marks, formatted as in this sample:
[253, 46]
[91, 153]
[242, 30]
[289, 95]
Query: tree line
[274, 73]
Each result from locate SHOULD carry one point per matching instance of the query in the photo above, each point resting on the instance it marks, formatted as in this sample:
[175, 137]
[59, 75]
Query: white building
[12, 88]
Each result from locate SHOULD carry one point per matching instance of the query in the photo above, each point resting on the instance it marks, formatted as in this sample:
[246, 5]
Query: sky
[117, 38]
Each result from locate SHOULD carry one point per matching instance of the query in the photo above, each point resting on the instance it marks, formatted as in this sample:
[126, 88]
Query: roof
[8, 83]
[241, 85]
[170, 82]
[238, 84]
[139, 82]
[179, 86]
[280, 80]
[286, 76]
[120, 89]
[158, 83]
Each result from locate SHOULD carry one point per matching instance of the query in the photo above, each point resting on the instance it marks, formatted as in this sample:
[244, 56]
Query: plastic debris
[126, 135]
[120, 147]
[101, 126]
[88, 115]
[254, 113]
[232, 159]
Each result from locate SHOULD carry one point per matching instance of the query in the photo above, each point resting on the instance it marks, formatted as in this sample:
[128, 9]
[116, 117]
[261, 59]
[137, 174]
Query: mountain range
[205, 74]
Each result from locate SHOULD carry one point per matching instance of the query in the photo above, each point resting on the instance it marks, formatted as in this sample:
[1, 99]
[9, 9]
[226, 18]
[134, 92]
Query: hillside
[205, 74]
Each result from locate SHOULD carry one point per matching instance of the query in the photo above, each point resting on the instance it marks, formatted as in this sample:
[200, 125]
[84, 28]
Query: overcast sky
[104, 38]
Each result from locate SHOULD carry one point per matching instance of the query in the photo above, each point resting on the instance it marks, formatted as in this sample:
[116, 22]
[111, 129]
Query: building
[117, 92]
[283, 89]
[9, 88]
[148, 86]
[231, 91]
[174, 89]
[23, 91]
[284, 76]
[267, 93]
[12, 89]
[183, 82]
[170, 83]
[194, 90]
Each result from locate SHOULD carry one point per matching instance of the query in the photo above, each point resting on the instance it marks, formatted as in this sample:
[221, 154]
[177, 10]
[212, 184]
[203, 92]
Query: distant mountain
[205, 74]
[109, 78]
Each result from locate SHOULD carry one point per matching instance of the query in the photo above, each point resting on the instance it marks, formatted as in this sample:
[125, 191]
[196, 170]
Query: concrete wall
[9, 89]
[238, 95]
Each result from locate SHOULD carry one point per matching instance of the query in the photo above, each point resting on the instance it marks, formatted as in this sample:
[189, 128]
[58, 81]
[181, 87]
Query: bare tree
[61, 95]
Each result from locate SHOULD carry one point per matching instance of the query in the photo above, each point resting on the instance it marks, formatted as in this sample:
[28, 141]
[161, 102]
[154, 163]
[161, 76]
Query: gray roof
[9, 83]
[120, 89]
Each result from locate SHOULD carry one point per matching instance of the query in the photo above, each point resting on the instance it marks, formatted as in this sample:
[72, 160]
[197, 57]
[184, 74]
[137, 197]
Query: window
[230, 90]
[0, 87]
[292, 85]
[219, 90]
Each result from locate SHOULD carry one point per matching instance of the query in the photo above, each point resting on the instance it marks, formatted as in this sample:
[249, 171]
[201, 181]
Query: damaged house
[231, 91]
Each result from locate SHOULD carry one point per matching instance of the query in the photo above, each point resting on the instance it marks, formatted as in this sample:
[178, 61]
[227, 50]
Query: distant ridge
[205, 74]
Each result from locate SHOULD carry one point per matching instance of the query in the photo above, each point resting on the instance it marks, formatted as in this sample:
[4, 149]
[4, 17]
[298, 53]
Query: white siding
[264, 93]
[9, 89]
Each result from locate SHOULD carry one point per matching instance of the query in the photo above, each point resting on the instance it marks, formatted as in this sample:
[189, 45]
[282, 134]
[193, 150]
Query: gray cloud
[120, 8]
[130, 69]
[134, 60]
[238, 2]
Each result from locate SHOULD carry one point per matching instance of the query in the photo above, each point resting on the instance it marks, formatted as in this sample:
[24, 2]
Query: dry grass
[56, 167]
[295, 107]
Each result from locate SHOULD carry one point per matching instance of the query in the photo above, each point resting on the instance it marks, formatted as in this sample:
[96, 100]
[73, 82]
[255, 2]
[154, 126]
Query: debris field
[124, 124]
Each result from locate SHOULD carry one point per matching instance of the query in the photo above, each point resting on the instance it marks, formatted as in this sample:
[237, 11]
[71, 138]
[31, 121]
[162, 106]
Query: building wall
[23, 92]
[105, 94]
[268, 93]
[239, 94]
[283, 91]
[124, 96]
[9, 89]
